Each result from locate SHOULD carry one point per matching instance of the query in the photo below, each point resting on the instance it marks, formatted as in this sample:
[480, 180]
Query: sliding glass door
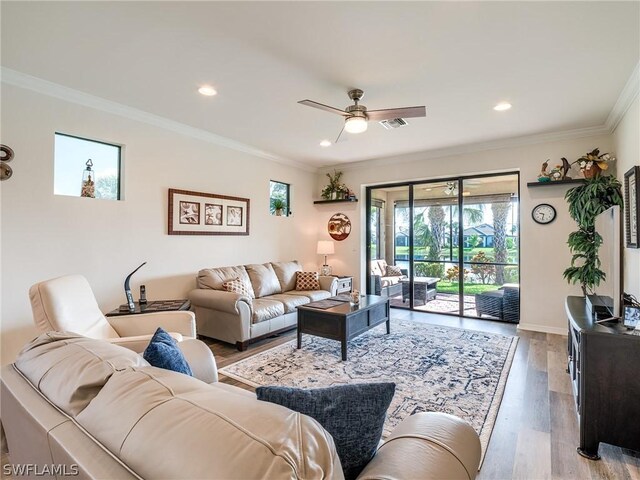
[448, 246]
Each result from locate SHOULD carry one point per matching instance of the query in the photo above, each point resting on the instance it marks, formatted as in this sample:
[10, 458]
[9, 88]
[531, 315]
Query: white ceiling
[561, 64]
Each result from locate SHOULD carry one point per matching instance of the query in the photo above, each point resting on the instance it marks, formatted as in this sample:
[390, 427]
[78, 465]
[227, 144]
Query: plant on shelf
[586, 202]
[278, 205]
[593, 163]
[335, 190]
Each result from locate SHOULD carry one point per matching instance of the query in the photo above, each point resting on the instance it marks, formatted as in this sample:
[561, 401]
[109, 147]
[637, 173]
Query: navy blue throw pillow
[353, 415]
[163, 352]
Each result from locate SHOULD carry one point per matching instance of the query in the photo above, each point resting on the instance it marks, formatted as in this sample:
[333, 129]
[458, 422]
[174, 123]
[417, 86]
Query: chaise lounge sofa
[269, 308]
[84, 407]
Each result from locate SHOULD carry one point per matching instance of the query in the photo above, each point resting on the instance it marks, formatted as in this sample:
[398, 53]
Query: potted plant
[586, 202]
[331, 191]
[278, 206]
[593, 163]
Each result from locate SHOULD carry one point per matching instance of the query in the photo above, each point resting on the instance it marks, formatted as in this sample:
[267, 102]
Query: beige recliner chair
[67, 304]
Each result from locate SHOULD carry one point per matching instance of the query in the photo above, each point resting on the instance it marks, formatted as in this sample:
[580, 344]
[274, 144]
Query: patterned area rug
[435, 368]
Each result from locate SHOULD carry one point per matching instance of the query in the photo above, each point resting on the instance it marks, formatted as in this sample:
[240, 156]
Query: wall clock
[543, 214]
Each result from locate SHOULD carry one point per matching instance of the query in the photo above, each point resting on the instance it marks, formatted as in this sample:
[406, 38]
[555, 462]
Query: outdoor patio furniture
[503, 304]
[424, 288]
[384, 284]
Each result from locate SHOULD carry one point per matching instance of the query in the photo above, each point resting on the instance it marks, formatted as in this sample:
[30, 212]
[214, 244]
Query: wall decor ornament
[593, 163]
[632, 206]
[339, 226]
[198, 213]
[6, 155]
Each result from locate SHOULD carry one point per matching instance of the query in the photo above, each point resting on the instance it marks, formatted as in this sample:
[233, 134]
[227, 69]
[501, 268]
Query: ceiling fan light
[355, 124]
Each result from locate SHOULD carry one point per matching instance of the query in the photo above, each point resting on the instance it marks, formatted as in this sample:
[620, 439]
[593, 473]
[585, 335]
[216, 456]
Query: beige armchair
[67, 304]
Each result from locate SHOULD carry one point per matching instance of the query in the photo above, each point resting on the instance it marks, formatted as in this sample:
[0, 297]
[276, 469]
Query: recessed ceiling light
[207, 91]
[502, 106]
[325, 143]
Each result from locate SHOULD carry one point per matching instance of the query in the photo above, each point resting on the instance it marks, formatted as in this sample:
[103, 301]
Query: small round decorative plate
[339, 226]
[5, 171]
[6, 153]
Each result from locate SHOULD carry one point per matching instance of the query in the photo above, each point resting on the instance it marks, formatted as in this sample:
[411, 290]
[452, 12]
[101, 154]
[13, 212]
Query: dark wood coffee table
[345, 321]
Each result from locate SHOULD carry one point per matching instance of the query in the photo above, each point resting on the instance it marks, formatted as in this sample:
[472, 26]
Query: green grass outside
[469, 288]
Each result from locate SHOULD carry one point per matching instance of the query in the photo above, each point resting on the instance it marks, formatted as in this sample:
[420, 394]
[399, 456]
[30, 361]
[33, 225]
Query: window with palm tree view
[448, 246]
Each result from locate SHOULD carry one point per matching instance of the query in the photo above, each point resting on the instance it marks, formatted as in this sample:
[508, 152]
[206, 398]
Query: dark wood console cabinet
[604, 364]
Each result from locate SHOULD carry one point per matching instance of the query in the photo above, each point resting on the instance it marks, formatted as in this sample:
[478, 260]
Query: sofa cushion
[393, 271]
[286, 273]
[379, 267]
[265, 309]
[353, 414]
[307, 281]
[151, 418]
[313, 295]
[386, 281]
[213, 278]
[163, 352]
[263, 279]
[238, 286]
[70, 369]
[290, 302]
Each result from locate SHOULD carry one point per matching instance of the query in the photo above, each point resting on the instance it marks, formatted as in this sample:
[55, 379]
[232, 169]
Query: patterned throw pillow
[393, 271]
[236, 286]
[307, 281]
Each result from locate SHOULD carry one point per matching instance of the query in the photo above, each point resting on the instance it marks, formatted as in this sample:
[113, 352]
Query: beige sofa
[97, 410]
[384, 284]
[269, 309]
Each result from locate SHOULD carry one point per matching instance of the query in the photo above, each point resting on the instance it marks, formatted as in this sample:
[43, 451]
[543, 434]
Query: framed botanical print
[632, 205]
[198, 213]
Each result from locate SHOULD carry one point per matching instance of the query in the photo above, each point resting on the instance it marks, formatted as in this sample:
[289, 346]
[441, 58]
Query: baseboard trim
[542, 328]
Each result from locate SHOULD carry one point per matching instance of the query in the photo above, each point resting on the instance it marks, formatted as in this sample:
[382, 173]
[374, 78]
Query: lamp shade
[355, 124]
[325, 247]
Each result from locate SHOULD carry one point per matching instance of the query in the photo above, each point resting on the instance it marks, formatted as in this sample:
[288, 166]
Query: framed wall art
[631, 206]
[339, 226]
[198, 213]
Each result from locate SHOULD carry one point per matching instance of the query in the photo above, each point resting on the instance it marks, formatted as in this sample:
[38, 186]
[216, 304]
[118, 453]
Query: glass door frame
[410, 185]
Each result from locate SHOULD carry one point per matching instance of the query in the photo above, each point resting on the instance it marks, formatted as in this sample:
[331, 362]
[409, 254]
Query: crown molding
[510, 142]
[625, 99]
[39, 85]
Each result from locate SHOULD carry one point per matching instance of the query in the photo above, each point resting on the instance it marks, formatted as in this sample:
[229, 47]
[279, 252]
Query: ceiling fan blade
[389, 113]
[321, 106]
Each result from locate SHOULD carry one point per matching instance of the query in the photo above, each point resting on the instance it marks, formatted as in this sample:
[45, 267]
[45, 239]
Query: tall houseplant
[586, 202]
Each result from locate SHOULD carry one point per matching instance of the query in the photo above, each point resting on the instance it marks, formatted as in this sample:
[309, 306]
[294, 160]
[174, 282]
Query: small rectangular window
[279, 198]
[86, 168]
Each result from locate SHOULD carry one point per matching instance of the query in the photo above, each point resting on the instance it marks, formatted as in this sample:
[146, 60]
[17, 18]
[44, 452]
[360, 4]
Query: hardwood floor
[536, 432]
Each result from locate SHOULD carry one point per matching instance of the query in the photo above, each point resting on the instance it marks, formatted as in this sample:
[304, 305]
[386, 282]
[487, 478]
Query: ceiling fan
[357, 116]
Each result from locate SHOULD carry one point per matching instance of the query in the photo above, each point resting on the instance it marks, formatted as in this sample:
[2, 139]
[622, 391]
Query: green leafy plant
[278, 205]
[586, 202]
[334, 185]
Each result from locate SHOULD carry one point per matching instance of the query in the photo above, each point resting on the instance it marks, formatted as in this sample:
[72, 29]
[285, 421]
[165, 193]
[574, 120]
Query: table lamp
[325, 247]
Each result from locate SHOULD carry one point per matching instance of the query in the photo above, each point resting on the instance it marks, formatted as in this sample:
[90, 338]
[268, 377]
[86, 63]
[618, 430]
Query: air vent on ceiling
[393, 123]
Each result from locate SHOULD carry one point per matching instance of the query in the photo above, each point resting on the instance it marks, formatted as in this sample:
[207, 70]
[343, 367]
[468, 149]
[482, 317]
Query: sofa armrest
[427, 445]
[200, 359]
[377, 284]
[328, 283]
[405, 272]
[218, 300]
[181, 321]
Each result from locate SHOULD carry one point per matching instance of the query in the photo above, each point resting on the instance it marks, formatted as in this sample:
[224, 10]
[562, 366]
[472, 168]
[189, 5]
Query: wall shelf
[570, 181]
[342, 200]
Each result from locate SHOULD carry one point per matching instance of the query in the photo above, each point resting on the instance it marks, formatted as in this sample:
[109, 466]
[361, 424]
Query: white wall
[626, 141]
[544, 254]
[44, 236]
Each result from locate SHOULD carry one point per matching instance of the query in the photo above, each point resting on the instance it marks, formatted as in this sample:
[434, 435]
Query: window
[279, 198]
[70, 167]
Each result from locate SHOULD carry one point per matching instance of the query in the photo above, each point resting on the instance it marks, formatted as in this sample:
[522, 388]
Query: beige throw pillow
[237, 286]
[307, 281]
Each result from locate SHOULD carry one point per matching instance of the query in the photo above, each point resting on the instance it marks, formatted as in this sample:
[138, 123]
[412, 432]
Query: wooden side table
[345, 285]
[151, 307]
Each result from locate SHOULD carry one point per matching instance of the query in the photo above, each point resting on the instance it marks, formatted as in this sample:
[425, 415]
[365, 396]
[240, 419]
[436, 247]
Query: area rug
[435, 369]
